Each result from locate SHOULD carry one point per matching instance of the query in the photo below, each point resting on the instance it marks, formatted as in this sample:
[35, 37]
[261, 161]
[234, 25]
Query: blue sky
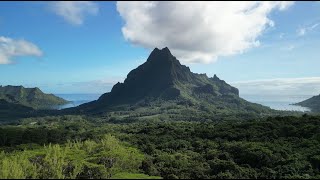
[91, 46]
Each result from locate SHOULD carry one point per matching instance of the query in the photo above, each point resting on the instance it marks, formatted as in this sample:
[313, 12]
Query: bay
[76, 99]
[277, 102]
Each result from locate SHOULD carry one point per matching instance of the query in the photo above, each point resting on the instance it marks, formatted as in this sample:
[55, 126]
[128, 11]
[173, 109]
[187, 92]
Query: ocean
[77, 99]
[278, 102]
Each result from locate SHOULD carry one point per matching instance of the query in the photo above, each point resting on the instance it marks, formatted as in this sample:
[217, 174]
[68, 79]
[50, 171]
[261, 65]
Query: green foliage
[16, 166]
[133, 176]
[86, 159]
[280, 147]
[76, 147]
[10, 111]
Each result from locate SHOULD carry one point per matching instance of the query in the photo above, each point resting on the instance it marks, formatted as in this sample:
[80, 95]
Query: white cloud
[303, 30]
[74, 12]
[197, 31]
[10, 48]
[281, 86]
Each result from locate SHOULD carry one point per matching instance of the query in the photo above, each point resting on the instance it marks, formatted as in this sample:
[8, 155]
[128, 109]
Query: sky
[87, 47]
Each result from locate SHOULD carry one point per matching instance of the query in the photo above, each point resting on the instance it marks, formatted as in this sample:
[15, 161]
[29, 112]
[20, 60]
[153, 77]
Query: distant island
[30, 97]
[313, 103]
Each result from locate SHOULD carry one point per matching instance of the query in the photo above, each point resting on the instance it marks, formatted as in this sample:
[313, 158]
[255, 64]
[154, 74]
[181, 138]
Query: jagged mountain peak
[162, 77]
[163, 50]
[161, 56]
[161, 66]
[215, 77]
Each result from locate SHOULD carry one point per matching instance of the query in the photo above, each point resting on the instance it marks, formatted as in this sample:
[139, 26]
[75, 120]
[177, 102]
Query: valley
[159, 90]
[163, 122]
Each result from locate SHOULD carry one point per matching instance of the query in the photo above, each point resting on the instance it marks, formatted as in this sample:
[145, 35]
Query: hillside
[313, 103]
[162, 85]
[30, 97]
[11, 111]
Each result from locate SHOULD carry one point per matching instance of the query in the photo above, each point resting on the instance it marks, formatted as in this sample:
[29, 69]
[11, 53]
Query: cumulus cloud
[303, 30]
[10, 48]
[74, 12]
[281, 86]
[197, 31]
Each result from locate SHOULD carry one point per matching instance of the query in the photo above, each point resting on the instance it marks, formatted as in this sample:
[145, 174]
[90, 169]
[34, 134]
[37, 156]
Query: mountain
[161, 82]
[313, 103]
[30, 97]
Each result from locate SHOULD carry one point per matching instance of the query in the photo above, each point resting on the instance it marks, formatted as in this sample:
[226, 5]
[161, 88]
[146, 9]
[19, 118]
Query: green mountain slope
[30, 97]
[312, 103]
[162, 85]
[11, 111]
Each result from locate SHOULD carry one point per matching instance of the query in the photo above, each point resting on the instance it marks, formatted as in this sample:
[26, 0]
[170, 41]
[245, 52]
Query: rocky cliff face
[162, 76]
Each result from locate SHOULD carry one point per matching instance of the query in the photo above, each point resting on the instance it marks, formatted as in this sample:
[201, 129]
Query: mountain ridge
[30, 97]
